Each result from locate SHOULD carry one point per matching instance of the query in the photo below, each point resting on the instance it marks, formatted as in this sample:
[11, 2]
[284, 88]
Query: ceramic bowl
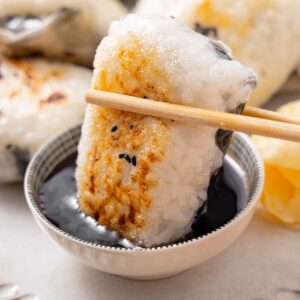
[139, 263]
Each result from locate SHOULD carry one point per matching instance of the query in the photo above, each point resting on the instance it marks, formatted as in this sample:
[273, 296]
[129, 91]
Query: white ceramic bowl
[140, 263]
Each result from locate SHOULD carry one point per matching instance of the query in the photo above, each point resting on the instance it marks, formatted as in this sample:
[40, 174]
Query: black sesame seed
[114, 128]
[145, 97]
[131, 127]
[125, 156]
[1, 75]
[133, 160]
[8, 146]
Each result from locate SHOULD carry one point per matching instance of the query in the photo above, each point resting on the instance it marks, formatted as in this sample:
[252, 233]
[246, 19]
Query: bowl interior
[242, 168]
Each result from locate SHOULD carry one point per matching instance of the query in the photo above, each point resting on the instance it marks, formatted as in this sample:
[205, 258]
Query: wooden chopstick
[269, 115]
[226, 121]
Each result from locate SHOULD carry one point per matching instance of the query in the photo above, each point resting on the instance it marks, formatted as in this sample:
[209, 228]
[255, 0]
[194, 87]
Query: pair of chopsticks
[253, 121]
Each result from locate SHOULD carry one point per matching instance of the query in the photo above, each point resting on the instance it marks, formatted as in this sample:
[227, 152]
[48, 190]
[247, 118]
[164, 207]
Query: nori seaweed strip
[207, 31]
[220, 51]
[223, 137]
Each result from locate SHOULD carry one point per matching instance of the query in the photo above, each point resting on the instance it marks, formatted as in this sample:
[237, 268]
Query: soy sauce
[227, 195]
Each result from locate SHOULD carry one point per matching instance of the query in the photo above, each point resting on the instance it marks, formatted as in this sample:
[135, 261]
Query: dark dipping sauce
[226, 197]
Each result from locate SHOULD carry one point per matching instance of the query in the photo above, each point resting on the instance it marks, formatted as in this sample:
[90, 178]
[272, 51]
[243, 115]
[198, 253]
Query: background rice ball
[38, 99]
[263, 34]
[74, 37]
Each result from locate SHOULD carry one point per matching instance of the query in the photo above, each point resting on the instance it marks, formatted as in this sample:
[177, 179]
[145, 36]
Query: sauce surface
[227, 195]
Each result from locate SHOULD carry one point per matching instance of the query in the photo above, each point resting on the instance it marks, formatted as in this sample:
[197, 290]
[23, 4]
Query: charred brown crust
[124, 143]
[54, 97]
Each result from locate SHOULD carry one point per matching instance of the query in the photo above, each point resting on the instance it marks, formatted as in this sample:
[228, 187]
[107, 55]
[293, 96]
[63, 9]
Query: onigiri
[263, 34]
[38, 99]
[143, 176]
[61, 29]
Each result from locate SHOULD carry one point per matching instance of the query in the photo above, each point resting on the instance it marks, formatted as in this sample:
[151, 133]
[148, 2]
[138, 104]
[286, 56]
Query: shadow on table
[12, 197]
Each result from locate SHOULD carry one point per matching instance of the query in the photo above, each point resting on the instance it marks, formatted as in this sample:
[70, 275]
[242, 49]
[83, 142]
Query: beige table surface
[265, 259]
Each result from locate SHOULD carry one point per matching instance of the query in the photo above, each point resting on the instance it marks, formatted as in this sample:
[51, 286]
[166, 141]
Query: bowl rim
[37, 213]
